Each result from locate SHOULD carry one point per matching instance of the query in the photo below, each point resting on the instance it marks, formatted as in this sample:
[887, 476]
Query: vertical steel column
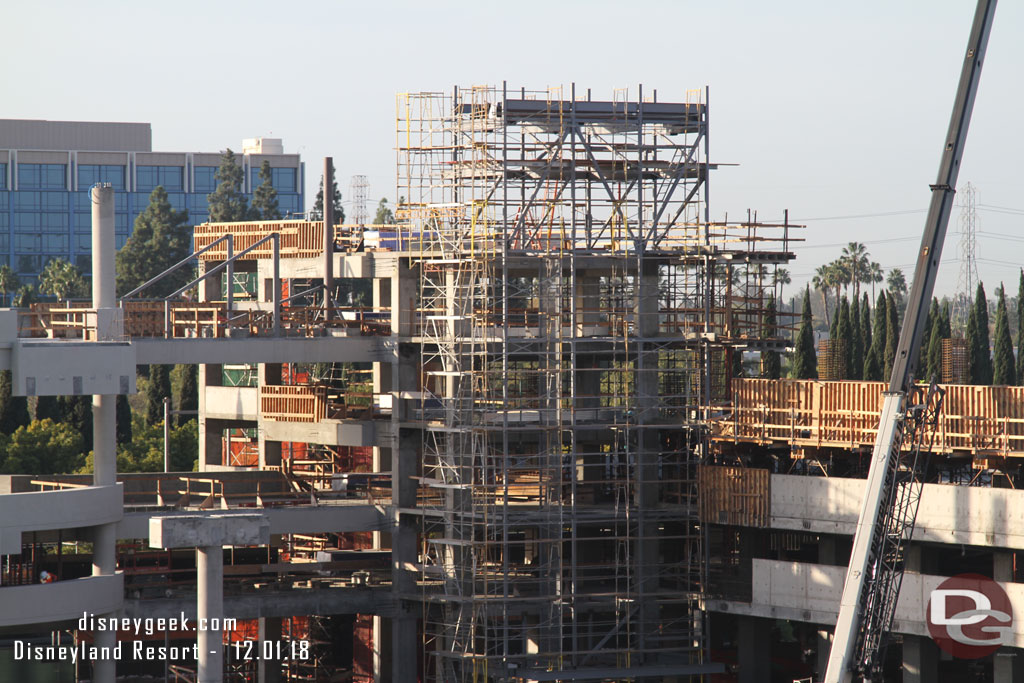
[104, 560]
[328, 215]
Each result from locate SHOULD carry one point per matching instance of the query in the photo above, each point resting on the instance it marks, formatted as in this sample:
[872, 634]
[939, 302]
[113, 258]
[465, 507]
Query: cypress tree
[1004, 371]
[227, 203]
[844, 332]
[264, 199]
[978, 340]
[940, 331]
[771, 361]
[876, 352]
[1020, 329]
[124, 420]
[76, 411]
[158, 389]
[188, 399]
[865, 325]
[857, 341]
[13, 409]
[805, 361]
[892, 335]
[47, 408]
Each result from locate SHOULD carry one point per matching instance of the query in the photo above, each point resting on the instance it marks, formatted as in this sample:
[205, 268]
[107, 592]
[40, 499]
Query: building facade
[47, 168]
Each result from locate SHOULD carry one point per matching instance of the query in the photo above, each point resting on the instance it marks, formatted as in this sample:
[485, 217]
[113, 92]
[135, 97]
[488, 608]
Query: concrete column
[1007, 666]
[104, 408]
[210, 593]
[754, 649]
[269, 671]
[920, 659]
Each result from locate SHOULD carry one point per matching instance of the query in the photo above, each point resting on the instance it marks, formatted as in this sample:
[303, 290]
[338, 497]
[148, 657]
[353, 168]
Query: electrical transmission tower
[968, 279]
[357, 191]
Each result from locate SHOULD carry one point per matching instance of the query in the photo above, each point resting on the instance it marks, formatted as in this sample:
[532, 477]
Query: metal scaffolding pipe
[328, 195]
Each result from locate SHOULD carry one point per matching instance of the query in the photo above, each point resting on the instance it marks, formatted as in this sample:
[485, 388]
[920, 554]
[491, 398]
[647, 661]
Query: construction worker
[46, 577]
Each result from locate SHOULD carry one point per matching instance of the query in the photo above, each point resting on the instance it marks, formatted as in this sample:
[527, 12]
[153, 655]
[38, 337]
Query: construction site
[504, 439]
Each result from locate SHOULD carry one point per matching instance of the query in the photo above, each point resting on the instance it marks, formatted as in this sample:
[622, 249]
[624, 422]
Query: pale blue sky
[830, 108]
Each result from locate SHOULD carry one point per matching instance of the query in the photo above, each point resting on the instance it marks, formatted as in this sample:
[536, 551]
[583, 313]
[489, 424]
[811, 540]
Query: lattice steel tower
[968, 279]
[358, 190]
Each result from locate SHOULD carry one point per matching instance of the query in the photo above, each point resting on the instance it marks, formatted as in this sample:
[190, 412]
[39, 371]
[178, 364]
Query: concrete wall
[232, 403]
[948, 514]
[810, 593]
[62, 600]
[67, 509]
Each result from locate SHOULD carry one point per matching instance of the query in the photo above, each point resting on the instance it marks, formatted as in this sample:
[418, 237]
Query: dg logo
[970, 616]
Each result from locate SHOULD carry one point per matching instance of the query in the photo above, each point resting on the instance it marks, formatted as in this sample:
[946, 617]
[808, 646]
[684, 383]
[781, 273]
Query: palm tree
[837, 277]
[9, 282]
[897, 283]
[875, 275]
[61, 279]
[781, 279]
[822, 282]
[855, 257]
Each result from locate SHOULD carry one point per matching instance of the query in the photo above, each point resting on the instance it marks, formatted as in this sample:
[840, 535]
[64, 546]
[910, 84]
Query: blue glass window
[140, 200]
[3, 176]
[198, 217]
[83, 242]
[26, 222]
[283, 179]
[206, 180]
[4, 198]
[119, 241]
[52, 243]
[53, 222]
[27, 243]
[27, 264]
[121, 223]
[170, 177]
[27, 201]
[288, 203]
[90, 174]
[41, 176]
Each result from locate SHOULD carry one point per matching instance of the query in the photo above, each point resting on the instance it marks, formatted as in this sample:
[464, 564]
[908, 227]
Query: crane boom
[872, 581]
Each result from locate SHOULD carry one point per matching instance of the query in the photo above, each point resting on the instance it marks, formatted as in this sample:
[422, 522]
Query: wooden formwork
[832, 359]
[299, 239]
[974, 419]
[293, 403]
[734, 495]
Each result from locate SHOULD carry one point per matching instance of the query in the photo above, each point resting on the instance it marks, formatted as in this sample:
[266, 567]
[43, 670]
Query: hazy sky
[833, 110]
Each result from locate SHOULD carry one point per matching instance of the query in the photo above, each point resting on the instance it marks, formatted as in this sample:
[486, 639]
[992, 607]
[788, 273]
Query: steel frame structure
[577, 318]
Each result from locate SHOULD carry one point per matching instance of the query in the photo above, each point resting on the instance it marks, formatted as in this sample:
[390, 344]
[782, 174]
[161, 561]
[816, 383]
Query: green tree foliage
[844, 333]
[317, 213]
[980, 362]
[1020, 329]
[76, 411]
[384, 215]
[46, 408]
[157, 389]
[145, 453]
[124, 420]
[856, 342]
[13, 409]
[865, 326]
[161, 238]
[188, 394]
[897, 285]
[264, 199]
[9, 282]
[805, 361]
[1004, 369]
[892, 334]
[24, 297]
[227, 202]
[940, 330]
[874, 362]
[42, 447]
[771, 361]
[62, 280]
